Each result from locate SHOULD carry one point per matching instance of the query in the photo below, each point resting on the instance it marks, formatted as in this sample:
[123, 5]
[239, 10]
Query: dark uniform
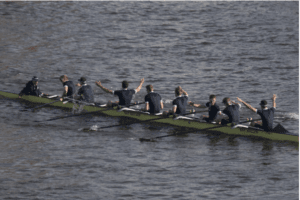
[71, 88]
[154, 100]
[232, 111]
[125, 96]
[86, 93]
[212, 112]
[181, 103]
[267, 116]
[31, 89]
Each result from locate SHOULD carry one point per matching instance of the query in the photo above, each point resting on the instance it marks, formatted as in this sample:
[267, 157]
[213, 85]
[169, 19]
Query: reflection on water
[235, 49]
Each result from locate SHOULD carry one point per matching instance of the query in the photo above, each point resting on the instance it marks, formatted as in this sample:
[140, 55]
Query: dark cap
[82, 79]
[263, 103]
[35, 79]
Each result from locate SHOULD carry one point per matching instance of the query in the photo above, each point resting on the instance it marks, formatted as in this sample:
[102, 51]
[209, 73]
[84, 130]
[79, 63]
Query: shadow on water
[267, 145]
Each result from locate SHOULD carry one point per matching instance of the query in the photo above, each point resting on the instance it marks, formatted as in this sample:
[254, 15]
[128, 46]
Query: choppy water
[235, 49]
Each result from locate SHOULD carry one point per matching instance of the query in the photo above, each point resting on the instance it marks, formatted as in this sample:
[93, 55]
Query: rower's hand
[61, 99]
[180, 89]
[240, 100]
[78, 84]
[98, 83]
[142, 80]
[191, 103]
[233, 102]
[20, 97]
[274, 97]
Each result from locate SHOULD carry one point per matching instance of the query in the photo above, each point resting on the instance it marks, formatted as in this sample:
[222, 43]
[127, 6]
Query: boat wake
[92, 128]
[287, 116]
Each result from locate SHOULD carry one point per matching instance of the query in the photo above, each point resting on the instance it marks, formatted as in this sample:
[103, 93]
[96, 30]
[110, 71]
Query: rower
[86, 93]
[153, 101]
[267, 115]
[179, 104]
[31, 88]
[125, 95]
[213, 108]
[232, 111]
[69, 87]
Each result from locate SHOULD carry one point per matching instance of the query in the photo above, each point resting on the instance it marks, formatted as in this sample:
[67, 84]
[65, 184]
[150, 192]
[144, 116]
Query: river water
[236, 49]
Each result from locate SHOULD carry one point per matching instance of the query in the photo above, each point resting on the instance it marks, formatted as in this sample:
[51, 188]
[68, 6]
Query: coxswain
[31, 88]
[266, 114]
[125, 95]
[153, 101]
[213, 108]
[69, 87]
[180, 103]
[85, 92]
[232, 110]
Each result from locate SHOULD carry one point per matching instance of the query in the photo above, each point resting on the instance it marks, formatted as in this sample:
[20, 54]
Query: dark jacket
[30, 89]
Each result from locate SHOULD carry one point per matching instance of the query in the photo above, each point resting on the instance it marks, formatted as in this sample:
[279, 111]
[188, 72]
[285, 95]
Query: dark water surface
[236, 49]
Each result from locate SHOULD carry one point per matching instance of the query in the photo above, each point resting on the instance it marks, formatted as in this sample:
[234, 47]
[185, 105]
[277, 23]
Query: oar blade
[146, 140]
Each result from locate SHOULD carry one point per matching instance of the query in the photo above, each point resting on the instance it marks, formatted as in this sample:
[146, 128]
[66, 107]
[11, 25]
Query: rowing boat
[180, 122]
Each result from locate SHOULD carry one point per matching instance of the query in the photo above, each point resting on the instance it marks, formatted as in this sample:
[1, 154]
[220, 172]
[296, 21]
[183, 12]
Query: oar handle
[253, 120]
[78, 101]
[49, 103]
[175, 134]
[136, 103]
[176, 115]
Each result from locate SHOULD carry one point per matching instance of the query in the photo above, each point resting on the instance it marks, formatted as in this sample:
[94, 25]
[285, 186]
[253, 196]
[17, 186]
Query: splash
[94, 128]
[287, 116]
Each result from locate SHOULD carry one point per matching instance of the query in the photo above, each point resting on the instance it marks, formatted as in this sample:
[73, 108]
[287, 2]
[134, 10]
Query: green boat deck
[202, 126]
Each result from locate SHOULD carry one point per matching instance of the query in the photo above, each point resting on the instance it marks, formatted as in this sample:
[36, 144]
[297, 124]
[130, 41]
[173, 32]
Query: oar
[73, 115]
[151, 139]
[278, 129]
[44, 105]
[176, 134]
[253, 120]
[80, 114]
[139, 121]
[103, 127]
[78, 101]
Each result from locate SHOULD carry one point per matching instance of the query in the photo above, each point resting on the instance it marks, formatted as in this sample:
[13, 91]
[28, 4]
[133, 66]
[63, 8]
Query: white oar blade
[53, 96]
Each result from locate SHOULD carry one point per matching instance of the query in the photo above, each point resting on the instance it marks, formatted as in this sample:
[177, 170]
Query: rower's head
[35, 80]
[263, 103]
[125, 84]
[63, 78]
[178, 91]
[212, 98]
[82, 80]
[149, 88]
[226, 101]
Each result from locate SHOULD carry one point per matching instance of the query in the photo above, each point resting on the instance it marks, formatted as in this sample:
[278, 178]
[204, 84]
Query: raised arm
[147, 106]
[64, 93]
[183, 92]
[196, 105]
[161, 105]
[174, 109]
[247, 105]
[140, 86]
[103, 88]
[274, 98]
